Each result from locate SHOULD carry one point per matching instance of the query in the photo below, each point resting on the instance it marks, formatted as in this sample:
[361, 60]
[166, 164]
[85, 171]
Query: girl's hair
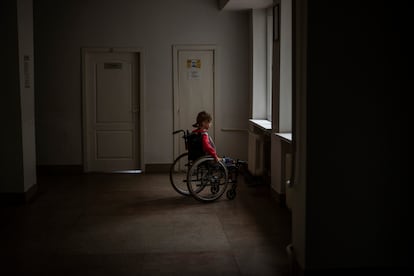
[201, 117]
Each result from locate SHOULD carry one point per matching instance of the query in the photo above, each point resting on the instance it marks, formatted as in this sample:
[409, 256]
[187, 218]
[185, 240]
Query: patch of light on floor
[128, 171]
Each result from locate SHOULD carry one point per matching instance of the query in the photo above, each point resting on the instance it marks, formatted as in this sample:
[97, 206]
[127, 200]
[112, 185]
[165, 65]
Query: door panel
[114, 95]
[114, 145]
[112, 140]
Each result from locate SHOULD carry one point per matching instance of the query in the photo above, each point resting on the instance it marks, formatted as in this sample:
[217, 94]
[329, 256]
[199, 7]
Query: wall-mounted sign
[113, 65]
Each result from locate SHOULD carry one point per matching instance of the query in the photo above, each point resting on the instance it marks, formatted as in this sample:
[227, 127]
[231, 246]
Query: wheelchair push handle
[178, 131]
[185, 135]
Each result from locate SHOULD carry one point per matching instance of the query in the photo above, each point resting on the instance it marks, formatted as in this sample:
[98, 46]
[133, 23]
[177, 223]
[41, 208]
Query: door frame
[85, 52]
[176, 108]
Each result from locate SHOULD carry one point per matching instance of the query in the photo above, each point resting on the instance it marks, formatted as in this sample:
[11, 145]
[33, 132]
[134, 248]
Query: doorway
[194, 86]
[112, 120]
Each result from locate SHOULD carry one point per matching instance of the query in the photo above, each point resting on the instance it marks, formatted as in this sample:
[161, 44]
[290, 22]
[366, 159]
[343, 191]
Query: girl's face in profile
[206, 124]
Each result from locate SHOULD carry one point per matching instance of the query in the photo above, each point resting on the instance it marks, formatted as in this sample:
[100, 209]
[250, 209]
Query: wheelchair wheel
[207, 180]
[178, 174]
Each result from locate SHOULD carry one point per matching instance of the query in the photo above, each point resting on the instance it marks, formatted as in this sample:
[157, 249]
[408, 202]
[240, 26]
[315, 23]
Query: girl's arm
[208, 148]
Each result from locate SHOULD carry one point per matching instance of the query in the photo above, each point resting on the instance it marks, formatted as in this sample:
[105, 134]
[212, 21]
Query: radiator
[256, 154]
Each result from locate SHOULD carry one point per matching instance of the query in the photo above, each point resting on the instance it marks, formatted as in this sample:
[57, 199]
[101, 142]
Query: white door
[195, 87]
[111, 111]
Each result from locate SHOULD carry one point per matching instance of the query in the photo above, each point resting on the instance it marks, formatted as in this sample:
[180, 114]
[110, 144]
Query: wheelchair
[198, 175]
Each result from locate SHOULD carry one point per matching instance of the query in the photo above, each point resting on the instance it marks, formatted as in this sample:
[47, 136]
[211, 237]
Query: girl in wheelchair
[203, 123]
[200, 172]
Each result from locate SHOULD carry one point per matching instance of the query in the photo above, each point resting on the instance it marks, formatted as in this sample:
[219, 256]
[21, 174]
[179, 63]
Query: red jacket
[208, 144]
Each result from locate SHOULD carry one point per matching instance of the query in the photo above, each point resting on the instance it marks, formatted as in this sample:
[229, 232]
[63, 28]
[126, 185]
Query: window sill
[265, 125]
[286, 136]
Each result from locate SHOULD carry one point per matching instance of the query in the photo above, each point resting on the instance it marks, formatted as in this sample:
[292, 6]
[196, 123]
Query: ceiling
[244, 4]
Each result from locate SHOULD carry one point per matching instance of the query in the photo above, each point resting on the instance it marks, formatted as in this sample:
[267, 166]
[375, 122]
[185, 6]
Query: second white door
[195, 88]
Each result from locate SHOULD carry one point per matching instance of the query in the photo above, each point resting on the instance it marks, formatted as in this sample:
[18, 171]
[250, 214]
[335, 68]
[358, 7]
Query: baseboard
[59, 169]
[78, 169]
[157, 168]
[253, 180]
[279, 198]
[19, 198]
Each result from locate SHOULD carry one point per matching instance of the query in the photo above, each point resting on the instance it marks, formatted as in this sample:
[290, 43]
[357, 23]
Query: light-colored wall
[299, 135]
[63, 28]
[18, 151]
[285, 94]
[25, 35]
[11, 160]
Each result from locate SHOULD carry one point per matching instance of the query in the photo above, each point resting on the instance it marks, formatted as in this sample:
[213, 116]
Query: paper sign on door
[194, 69]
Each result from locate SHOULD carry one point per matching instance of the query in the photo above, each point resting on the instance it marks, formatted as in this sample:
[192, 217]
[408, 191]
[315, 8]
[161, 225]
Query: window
[269, 103]
[262, 48]
[269, 58]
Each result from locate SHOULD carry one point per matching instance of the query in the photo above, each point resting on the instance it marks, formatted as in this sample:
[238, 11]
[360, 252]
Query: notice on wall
[194, 69]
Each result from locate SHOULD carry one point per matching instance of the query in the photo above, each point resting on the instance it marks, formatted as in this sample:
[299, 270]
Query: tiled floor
[118, 224]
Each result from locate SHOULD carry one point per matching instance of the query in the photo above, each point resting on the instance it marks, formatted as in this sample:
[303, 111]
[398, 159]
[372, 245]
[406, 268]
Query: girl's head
[203, 120]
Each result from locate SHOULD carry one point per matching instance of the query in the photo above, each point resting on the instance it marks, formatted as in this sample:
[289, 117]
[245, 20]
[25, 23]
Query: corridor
[136, 224]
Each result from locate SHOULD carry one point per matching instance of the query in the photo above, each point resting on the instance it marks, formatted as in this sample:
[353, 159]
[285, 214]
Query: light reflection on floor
[128, 171]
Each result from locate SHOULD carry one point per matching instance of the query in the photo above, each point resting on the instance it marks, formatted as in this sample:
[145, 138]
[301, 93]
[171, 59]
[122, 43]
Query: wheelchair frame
[203, 178]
